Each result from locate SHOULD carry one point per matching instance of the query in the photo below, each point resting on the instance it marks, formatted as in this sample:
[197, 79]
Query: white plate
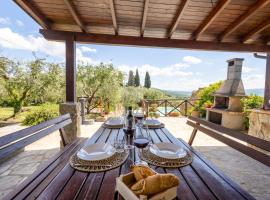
[152, 122]
[168, 150]
[96, 151]
[114, 122]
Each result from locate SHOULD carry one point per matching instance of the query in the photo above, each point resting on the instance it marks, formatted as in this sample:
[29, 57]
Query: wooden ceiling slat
[182, 7]
[258, 29]
[145, 12]
[112, 7]
[34, 12]
[75, 15]
[210, 18]
[243, 18]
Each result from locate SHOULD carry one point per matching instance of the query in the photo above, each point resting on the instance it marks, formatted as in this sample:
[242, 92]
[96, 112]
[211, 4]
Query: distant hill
[258, 91]
[177, 93]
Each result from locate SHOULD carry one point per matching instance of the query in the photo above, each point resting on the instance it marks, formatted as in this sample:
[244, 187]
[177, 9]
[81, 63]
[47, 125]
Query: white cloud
[254, 81]
[169, 71]
[87, 49]
[19, 22]
[84, 59]
[12, 40]
[247, 69]
[4, 20]
[192, 60]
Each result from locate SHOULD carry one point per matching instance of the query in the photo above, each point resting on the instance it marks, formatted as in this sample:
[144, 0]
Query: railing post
[186, 101]
[166, 112]
[147, 108]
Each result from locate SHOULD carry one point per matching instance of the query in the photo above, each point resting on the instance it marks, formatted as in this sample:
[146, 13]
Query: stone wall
[259, 121]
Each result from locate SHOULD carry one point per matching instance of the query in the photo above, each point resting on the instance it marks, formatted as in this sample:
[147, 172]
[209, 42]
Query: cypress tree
[147, 80]
[137, 79]
[130, 79]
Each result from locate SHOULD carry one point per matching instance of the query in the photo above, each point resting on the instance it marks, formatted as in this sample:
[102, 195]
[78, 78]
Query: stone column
[259, 124]
[72, 130]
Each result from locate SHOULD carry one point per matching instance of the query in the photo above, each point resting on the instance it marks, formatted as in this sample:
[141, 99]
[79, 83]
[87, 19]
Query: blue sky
[170, 69]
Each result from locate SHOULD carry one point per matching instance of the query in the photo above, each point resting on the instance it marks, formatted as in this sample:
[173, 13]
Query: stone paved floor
[252, 176]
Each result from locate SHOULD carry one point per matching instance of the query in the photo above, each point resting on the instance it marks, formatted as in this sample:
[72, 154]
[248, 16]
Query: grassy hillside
[177, 94]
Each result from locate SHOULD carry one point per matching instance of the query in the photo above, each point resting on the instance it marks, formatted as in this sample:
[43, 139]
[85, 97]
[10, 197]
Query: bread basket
[125, 181]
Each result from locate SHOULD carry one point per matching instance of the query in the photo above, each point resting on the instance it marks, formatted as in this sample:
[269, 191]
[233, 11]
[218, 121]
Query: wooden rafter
[243, 18]
[145, 11]
[183, 5]
[210, 18]
[112, 7]
[34, 12]
[258, 29]
[75, 15]
[152, 42]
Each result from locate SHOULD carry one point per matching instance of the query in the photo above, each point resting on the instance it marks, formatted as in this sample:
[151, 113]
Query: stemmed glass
[129, 135]
[142, 140]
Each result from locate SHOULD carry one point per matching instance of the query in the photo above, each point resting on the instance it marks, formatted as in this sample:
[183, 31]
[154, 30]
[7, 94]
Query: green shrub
[206, 97]
[40, 114]
[251, 102]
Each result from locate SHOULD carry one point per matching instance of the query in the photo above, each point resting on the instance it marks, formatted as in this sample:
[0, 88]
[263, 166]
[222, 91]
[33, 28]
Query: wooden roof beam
[243, 18]
[112, 7]
[145, 11]
[210, 18]
[152, 42]
[34, 12]
[258, 29]
[75, 15]
[183, 6]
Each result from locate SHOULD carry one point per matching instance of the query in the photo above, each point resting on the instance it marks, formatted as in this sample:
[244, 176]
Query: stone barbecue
[227, 109]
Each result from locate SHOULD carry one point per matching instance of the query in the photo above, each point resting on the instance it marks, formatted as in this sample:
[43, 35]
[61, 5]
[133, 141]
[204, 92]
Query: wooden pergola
[218, 25]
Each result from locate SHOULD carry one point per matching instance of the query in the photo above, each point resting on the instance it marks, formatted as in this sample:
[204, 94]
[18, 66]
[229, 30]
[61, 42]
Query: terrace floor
[251, 175]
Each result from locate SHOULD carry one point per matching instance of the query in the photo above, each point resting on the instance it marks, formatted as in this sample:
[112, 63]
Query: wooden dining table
[58, 180]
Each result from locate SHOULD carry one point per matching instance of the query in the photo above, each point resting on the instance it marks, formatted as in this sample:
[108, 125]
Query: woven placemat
[165, 162]
[100, 165]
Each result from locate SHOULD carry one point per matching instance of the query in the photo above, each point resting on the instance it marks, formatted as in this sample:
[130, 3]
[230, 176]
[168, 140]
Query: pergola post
[71, 106]
[266, 104]
[70, 69]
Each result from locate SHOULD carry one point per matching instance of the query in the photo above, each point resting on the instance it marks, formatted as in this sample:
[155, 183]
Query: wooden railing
[181, 105]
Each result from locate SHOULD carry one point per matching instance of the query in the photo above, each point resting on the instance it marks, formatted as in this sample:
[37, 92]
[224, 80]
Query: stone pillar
[72, 130]
[259, 124]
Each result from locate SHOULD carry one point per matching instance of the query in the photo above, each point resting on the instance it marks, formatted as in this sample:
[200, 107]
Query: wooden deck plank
[44, 183]
[218, 185]
[58, 183]
[189, 176]
[110, 176]
[59, 180]
[54, 188]
[73, 186]
[32, 181]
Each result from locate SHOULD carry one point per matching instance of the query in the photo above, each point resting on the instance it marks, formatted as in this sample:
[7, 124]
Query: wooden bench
[228, 136]
[11, 143]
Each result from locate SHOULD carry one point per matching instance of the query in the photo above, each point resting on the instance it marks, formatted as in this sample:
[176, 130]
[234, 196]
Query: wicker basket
[125, 181]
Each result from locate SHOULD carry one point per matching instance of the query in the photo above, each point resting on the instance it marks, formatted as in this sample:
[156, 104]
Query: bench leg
[193, 134]
[63, 136]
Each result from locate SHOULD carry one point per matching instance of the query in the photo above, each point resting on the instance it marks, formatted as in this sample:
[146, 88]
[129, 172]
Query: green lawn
[6, 112]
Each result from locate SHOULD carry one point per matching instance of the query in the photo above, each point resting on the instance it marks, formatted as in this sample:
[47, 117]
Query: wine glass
[119, 143]
[129, 135]
[141, 141]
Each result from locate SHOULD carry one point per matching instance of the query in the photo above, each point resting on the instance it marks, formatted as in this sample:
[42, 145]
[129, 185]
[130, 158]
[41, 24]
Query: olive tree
[24, 81]
[102, 81]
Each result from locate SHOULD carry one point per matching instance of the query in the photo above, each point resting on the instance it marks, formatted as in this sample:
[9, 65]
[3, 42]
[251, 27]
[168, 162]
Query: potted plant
[195, 112]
